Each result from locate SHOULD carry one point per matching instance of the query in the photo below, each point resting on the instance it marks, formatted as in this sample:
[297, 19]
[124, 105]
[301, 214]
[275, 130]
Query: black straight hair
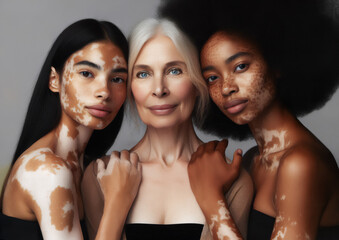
[44, 110]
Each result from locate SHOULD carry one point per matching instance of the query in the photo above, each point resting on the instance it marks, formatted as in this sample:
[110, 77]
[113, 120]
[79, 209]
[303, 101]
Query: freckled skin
[252, 83]
[295, 176]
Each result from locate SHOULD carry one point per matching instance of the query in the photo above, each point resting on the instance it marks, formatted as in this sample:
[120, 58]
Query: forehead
[103, 52]
[159, 49]
[227, 45]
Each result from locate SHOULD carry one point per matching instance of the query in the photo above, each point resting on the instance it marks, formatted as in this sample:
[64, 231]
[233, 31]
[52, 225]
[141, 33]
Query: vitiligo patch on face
[62, 208]
[40, 173]
[118, 61]
[218, 225]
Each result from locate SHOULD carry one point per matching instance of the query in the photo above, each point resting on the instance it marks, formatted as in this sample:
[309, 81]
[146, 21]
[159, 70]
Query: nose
[160, 89]
[102, 92]
[229, 87]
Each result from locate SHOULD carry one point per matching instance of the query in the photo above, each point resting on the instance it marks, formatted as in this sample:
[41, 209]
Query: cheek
[140, 91]
[118, 95]
[215, 93]
[184, 90]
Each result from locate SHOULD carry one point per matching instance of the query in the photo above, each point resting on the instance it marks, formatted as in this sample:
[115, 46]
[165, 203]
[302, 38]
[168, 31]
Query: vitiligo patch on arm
[222, 223]
[49, 182]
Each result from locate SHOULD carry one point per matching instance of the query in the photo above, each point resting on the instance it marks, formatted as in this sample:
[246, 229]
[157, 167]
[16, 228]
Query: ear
[54, 81]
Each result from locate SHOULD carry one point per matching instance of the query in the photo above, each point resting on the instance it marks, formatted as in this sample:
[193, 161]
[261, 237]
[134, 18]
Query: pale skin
[295, 175]
[164, 96]
[44, 183]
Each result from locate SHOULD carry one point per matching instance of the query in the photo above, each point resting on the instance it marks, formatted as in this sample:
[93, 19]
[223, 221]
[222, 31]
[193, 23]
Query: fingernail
[239, 151]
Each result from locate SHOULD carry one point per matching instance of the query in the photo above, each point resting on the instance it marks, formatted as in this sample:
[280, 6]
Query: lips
[99, 111]
[235, 106]
[162, 109]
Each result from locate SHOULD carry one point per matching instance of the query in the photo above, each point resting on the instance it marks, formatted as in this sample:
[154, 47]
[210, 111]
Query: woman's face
[237, 77]
[93, 85]
[161, 85]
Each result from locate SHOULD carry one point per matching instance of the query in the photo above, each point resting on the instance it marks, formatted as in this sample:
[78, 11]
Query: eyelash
[241, 70]
[120, 80]
[143, 72]
[208, 79]
[170, 71]
[84, 73]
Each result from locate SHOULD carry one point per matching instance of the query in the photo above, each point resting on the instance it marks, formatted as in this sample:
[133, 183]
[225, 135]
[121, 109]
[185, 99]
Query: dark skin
[294, 174]
[205, 160]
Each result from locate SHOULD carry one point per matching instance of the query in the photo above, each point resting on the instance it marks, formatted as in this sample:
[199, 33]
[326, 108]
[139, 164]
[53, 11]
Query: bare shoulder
[308, 165]
[41, 162]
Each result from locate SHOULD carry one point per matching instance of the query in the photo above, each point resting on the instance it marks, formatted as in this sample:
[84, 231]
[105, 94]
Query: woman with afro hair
[265, 63]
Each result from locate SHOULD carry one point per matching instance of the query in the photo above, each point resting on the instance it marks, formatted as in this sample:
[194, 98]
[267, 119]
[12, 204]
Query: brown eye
[117, 80]
[241, 67]
[86, 74]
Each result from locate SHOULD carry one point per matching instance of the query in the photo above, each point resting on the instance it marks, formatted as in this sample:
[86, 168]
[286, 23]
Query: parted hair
[298, 40]
[148, 29]
[44, 110]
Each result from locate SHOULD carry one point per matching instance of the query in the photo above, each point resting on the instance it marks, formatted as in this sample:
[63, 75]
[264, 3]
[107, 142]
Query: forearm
[219, 219]
[113, 219]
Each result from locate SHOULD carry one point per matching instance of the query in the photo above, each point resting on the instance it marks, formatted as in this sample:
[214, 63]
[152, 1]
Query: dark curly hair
[296, 38]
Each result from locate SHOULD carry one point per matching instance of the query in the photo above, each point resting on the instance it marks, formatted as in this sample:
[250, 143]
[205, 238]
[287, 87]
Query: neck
[272, 132]
[168, 145]
[71, 140]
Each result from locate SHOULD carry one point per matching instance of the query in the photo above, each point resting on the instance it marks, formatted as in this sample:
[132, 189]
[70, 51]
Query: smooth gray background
[28, 29]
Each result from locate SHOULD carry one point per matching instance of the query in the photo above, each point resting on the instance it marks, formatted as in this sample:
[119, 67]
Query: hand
[122, 176]
[209, 173]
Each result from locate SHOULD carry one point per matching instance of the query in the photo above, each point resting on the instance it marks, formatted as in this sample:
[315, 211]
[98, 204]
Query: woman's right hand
[121, 177]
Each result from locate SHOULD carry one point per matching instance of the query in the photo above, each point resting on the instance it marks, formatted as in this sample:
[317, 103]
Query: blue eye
[211, 79]
[241, 67]
[117, 80]
[175, 71]
[86, 74]
[142, 74]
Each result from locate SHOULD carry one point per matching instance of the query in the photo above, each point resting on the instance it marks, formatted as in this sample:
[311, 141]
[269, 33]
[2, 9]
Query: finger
[221, 146]
[210, 146]
[134, 158]
[111, 163]
[237, 159]
[115, 155]
[124, 155]
[101, 168]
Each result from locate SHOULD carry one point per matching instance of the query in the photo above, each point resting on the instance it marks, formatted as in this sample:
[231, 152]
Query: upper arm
[93, 199]
[49, 182]
[239, 199]
[300, 197]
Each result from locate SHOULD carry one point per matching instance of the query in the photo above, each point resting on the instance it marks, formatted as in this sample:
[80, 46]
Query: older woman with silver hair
[166, 88]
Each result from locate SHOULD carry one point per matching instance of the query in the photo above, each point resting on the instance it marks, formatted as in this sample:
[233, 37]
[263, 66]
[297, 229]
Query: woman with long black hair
[74, 114]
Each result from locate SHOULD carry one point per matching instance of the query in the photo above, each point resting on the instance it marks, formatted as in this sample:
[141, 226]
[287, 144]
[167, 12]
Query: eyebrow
[119, 70]
[227, 61]
[90, 64]
[167, 65]
[235, 56]
[96, 66]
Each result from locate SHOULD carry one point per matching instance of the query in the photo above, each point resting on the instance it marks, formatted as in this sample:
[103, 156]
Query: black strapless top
[18, 229]
[260, 227]
[183, 231]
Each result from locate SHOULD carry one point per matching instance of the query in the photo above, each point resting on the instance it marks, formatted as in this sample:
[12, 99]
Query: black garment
[184, 231]
[18, 229]
[260, 227]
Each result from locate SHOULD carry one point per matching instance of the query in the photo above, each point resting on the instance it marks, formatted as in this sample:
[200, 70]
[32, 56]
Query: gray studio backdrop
[29, 27]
